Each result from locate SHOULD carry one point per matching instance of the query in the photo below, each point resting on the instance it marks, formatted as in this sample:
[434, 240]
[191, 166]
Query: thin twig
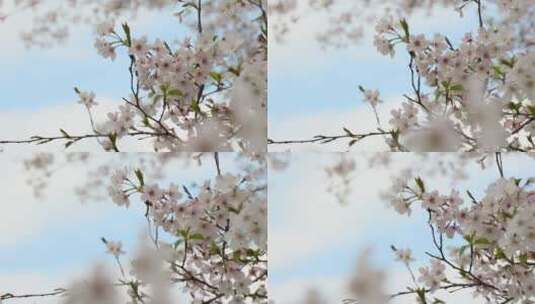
[216, 158]
[56, 292]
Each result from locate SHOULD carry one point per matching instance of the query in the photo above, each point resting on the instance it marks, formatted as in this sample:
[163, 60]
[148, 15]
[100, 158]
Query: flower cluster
[206, 241]
[495, 257]
[51, 21]
[475, 94]
[221, 232]
[340, 176]
[41, 167]
[473, 89]
[368, 284]
[199, 95]
[203, 92]
[346, 22]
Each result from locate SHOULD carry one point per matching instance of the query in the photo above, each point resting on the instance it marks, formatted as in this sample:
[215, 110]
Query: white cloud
[306, 214]
[24, 216]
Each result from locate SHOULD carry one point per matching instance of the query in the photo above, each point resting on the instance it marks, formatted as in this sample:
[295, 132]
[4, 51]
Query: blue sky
[48, 241]
[310, 91]
[37, 78]
[314, 241]
[38, 97]
[61, 247]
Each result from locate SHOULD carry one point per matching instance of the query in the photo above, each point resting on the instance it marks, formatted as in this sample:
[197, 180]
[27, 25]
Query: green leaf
[216, 77]
[236, 255]
[348, 132]
[421, 294]
[482, 241]
[174, 92]
[64, 133]
[233, 210]
[213, 248]
[405, 27]
[235, 71]
[195, 106]
[509, 63]
[126, 30]
[499, 254]
[183, 233]
[196, 236]
[470, 238]
[139, 176]
[498, 70]
[420, 184]
[113, 139]
[457, 87]
[252, 253]
[523, 259]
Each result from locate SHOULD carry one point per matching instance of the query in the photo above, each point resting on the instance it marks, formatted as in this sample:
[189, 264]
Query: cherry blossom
[474, 94]
[207, 239]
[481, 243]
[205, 91]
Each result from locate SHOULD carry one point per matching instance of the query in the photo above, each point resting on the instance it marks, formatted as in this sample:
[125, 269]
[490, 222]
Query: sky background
[314, 241]
[311, 91]
[314, 91]
[37, 96]
[47, 242]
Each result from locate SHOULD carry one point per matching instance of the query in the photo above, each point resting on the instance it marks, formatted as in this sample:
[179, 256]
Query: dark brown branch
[324, 139]
[499, 163]
[39, 140]
[479, 13]
[523, 125]
[199, 16]
[216, 159]
[56, 292]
